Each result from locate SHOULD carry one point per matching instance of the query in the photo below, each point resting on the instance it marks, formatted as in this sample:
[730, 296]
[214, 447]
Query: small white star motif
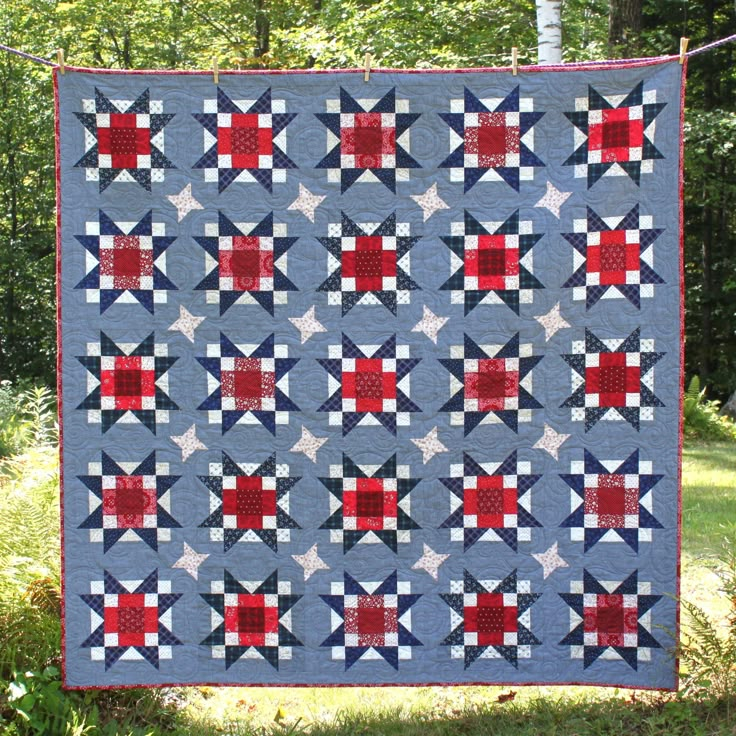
[430, 324]
[311, 562]
[552, 321]
[307, 202]
[550, 560]
[187, 323]
[550, 441]
[430, 445]
[430, 561]
[430, 202]
[189, 443]
[309, 444]
[553, 199]
[184, 202]
[190, 561]
[307, 324]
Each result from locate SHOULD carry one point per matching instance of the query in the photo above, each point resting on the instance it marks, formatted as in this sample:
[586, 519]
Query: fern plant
[702, 419]
[707, 653]
[27, 418]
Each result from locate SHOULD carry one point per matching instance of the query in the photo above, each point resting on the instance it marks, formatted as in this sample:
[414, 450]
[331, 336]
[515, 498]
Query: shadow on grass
[650, 715]
[714, 456]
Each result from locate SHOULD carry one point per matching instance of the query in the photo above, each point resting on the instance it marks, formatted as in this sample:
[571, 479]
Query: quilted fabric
[370, 383]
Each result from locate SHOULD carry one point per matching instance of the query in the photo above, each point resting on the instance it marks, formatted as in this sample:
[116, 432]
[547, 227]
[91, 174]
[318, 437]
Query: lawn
[29, 634]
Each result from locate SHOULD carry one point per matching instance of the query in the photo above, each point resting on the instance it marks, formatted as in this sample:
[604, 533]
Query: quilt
[371, 382]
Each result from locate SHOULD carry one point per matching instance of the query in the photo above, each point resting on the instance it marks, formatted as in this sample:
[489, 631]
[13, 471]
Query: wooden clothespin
[215, 70]
[60, 60]
[514, 60]
[683, 48]
[367, 75]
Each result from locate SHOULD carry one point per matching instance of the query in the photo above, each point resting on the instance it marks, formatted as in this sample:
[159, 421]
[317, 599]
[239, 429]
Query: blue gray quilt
[371, 382]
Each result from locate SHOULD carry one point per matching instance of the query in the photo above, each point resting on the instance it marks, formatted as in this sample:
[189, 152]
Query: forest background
[269, 34]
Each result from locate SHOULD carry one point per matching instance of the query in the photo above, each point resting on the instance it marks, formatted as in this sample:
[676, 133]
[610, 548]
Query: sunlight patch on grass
[709, 497]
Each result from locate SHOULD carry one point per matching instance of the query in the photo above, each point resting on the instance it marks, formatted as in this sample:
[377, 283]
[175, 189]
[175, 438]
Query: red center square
[616, 135]
[126, 262]
[610, 500]
[248, 384]
[489, 501]
[131, 620]
[492, 140]
[124, 141]
[369, 386]
[368, 141]
[370, 504]
[246, 263]
[244, 141]
[613, 257]
[129, 501]
[492, 384]
[249, 502]
[490, 619]
[369, 263]
[251, 620]
[371, 620]
[612, 380]
[610, 620]
[127, 383]
[492, 262]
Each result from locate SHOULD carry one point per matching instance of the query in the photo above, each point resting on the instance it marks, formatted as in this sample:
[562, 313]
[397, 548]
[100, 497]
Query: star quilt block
[245, 267]
[371, 621]
[493, 266]
[369, 264]
[368, 140]
[370, 506]
[127, 262]
[493, 139]
[249, 506]
[248, 384]
[615, 138]
[129, 506]
[613, 259]
[251, 620]
[124, 140]
[244, 140]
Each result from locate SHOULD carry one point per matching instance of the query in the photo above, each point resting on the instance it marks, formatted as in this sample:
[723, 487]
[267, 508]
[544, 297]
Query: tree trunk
[729, 408]
[549, 32]
[624, 27]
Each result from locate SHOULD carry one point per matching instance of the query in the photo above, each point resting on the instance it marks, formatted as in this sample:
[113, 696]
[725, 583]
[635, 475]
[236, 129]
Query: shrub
[27, 417]
[701, 416]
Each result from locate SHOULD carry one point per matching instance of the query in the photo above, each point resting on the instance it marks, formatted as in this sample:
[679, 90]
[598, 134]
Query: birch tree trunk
[549, 31]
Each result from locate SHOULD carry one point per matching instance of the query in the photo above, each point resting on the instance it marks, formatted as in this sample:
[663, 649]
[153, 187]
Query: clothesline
[693, 52]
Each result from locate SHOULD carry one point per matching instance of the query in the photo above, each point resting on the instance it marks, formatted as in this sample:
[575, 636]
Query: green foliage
[26, 418]
[701, 416]
[707, 653]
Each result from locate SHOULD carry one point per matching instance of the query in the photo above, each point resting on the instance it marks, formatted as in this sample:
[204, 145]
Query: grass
[709, 514]
[709, 497]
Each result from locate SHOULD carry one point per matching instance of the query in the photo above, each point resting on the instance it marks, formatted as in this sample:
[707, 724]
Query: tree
[549, 31]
